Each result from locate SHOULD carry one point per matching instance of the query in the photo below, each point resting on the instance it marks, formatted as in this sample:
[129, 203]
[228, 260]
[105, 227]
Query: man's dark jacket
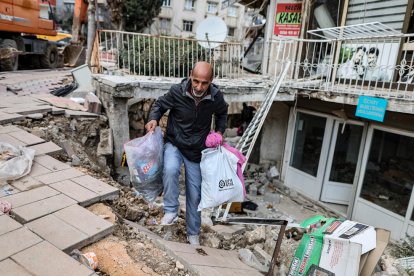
[189, 124]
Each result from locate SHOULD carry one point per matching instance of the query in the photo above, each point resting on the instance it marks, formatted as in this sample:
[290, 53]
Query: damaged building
[339, 129]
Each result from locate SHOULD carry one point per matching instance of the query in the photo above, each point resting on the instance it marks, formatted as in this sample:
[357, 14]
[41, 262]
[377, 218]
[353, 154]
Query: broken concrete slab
[46, 148]
[87, 222]
[227, 231]
[77, 192]
[8, 224]
[8, 129]
[57, 176]
[74, 113]
[6, 118]
[105, 191]
[92, 103]
[16, 241]
[34, 259]
[106, 143]
[57, 232]
[24, 198]
[66, 145]
[27, 183]
[27, 138]
[9, 267]
[63, 103]
[41, 208]
[24, 110]
[6, 138]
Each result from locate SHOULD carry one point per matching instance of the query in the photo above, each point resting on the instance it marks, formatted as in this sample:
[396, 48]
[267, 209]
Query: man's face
[372, 60]
[358, 56]
[200, 83]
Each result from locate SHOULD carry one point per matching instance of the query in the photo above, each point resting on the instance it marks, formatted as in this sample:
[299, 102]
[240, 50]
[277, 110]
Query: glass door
[343, 161]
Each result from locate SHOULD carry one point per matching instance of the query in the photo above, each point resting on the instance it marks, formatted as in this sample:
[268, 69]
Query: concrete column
[270, 22]
[119, 123]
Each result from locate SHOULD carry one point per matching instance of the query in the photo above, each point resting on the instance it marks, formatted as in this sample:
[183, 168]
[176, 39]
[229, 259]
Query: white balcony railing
[149, 55]
[380, 66]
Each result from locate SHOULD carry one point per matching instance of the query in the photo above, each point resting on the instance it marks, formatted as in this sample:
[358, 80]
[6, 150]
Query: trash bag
[145, 159]
[220, 182]
[15, 162]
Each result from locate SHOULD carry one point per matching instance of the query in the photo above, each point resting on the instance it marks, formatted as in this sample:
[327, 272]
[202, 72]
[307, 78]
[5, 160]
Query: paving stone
[23, 110]
[77, 192]
[38, 170]
[59, 176]
[27, 183]
[222, 271]
[8, 224]
[57, 111]
[7, 190]
[104, 190]
[46, 260]
[58, 232]
[9, 118]
[27, 138]
[6, 138]
[31, 196]
[41, 208]
[8, 129]
[9, 267]
[46, 148]
[75, 113]
[16, 241]
[51, 163]
[87, 222]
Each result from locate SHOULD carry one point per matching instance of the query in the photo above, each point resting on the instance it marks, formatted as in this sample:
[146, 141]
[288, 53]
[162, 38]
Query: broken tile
[16, 241]
[46, 260]
[77, 192]
[46, 148]
[59, 176]
[41, 208]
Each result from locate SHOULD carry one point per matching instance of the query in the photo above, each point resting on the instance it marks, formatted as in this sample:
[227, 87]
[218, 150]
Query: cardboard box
[345, 245]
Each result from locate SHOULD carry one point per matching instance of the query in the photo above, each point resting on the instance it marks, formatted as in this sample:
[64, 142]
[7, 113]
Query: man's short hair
[361, 48]
[373, 50]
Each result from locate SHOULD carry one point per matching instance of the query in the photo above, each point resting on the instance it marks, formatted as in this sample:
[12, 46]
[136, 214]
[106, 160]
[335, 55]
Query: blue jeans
[172, 164]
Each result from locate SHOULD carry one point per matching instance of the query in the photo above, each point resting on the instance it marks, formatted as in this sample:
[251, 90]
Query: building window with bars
[189, 5]
[232, 11]
[166, 3]
[211, 7]
[188, 26]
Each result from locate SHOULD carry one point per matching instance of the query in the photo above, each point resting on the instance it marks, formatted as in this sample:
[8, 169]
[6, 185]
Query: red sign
[288, 19]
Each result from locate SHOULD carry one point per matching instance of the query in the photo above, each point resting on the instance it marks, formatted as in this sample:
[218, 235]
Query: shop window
[187, 26]
[389, 173]
[307, 144]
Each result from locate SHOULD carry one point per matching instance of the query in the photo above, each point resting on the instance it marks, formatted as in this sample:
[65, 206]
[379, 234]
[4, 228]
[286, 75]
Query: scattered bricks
[59, 176]
[8, 267]
[87, 222]
[227, 231]
[45, 259]
[51, 163]
[31, 196]
[92, 103]
[67, 147]
[75, 191]
[57, 232]
[26, 183]
[106, 191]
[272, 198]
[8, 224]
[27, 138]
[41, 208]
[106, 143]
[16, 241]
[46, 148]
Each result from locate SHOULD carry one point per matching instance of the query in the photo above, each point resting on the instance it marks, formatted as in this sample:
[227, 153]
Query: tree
[139, 14]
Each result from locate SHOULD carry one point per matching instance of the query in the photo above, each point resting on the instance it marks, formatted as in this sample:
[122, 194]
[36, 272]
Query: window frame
[166, 1]
[212, 4]
[188, 23]
[186, 8]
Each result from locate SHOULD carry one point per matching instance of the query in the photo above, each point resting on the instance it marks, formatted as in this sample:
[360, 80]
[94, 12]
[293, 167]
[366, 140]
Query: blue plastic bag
[145, 160]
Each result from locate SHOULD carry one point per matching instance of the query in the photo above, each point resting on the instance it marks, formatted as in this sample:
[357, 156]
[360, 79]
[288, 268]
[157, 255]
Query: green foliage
[154, 56]
[138, 14]
[345, 54]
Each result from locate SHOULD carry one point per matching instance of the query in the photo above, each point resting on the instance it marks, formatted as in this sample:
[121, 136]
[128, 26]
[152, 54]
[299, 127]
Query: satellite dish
[211, 32]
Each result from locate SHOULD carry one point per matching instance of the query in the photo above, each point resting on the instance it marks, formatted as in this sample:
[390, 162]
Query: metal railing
[380, 66]
[148, 55]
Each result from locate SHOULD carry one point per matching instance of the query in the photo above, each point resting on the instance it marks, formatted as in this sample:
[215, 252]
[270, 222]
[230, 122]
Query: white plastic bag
[220, 183]
[145, 159]
[15, 162]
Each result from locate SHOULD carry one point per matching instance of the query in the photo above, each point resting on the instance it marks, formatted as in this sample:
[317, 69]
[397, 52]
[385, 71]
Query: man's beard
[198, 94]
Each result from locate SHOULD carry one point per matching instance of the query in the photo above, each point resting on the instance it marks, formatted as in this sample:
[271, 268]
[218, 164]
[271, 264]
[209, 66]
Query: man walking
[192, 104]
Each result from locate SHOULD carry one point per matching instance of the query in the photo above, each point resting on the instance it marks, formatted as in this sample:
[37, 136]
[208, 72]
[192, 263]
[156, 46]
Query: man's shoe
[169, 218]
[193, 240]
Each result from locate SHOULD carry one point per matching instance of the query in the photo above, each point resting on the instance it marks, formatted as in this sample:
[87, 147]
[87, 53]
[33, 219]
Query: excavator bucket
[74, 55]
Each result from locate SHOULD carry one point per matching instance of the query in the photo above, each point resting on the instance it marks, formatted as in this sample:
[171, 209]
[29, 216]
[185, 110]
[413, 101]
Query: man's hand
[222, 139]
[151, 125]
